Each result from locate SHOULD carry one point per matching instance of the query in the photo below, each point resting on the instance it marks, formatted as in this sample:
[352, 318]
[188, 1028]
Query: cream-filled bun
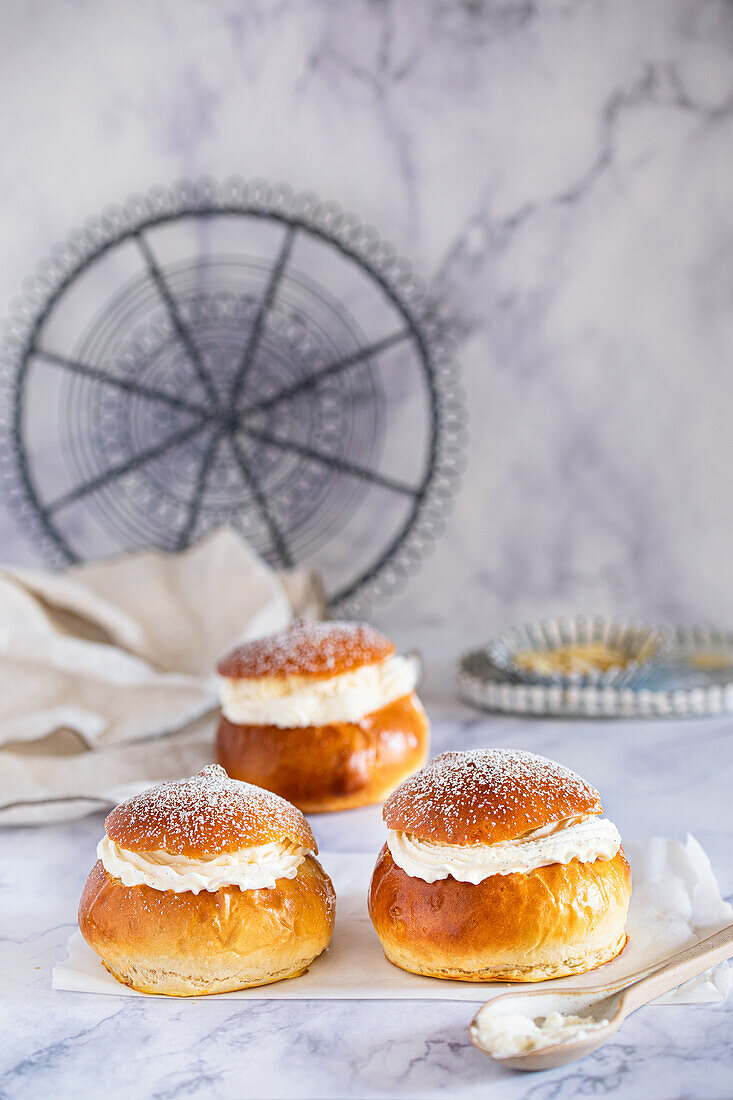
[499, 867]
[324, 714]
[206, 885]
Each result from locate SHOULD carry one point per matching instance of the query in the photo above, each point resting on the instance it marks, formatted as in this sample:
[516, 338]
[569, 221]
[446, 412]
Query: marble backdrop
[560, 173]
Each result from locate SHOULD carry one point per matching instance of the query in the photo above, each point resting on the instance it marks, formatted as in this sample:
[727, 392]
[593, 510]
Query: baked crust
[206, 815]
[487, 796]
[185, 944]
[334, 767]
[316, 650]
[557, 920]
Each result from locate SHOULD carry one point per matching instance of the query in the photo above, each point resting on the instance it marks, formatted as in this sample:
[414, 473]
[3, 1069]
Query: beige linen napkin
[107, 670]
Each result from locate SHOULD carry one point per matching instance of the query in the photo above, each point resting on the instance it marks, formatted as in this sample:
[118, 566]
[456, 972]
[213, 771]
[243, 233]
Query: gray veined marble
[561, 173]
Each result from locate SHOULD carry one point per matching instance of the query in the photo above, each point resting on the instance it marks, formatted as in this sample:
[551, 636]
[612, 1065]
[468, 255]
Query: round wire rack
[239, 354]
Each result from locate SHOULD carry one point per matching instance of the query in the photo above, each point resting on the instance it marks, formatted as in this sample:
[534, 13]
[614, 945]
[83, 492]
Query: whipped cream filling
[586, 840]
[295, 701]
[256, 868]
[512, 1033]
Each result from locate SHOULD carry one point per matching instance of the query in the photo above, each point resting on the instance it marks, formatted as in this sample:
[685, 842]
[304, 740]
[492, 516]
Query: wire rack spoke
[276, 536]
[123, 468]
[194, 507]
[351, 469]
[329, 371]
[185, 336]
[128, 385]
[268, 298]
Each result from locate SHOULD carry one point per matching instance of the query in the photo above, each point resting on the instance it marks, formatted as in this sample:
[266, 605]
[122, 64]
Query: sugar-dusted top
[206, 815]
[318, 650]
[487, 796]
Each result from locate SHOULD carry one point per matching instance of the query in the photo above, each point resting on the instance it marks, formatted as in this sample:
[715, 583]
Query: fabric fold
[107, 669]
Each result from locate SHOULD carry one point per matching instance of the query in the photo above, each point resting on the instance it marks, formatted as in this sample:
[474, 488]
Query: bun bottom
[555, 921]
[336, 767]
[184, 945]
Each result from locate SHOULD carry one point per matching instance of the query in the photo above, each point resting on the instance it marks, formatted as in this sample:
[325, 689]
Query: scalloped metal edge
[542, 700]
[544, 635]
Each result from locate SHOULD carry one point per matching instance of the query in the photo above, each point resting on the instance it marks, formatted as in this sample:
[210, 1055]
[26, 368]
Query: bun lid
[487, 796]
[318, 650]
[206, 815]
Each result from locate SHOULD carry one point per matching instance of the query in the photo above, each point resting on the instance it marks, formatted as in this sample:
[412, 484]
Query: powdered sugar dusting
[206, 815]
[487, 795]
[308, 649]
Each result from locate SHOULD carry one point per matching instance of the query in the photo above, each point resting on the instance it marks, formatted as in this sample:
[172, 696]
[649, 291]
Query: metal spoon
[608, 1003]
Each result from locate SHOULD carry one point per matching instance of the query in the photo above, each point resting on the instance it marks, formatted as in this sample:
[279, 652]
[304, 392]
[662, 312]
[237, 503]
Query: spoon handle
[688, 964]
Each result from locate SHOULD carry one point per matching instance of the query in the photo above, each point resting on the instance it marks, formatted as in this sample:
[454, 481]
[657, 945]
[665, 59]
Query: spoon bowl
[596, 1005]
[604, 1008]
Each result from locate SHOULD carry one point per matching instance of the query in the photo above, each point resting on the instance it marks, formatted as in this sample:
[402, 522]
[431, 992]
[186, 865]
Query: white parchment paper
[675, 902]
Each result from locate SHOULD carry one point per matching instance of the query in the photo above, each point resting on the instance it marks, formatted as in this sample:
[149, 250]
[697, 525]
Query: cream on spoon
[537, 1030]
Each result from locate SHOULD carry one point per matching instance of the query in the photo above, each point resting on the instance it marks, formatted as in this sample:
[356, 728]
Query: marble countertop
[663, 778]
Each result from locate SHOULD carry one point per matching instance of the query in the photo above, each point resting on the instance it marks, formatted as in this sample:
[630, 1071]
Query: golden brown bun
[556, 920]
[333, 767]
[186, 944]
[316, 650]
[206, 815]
[487, 796]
